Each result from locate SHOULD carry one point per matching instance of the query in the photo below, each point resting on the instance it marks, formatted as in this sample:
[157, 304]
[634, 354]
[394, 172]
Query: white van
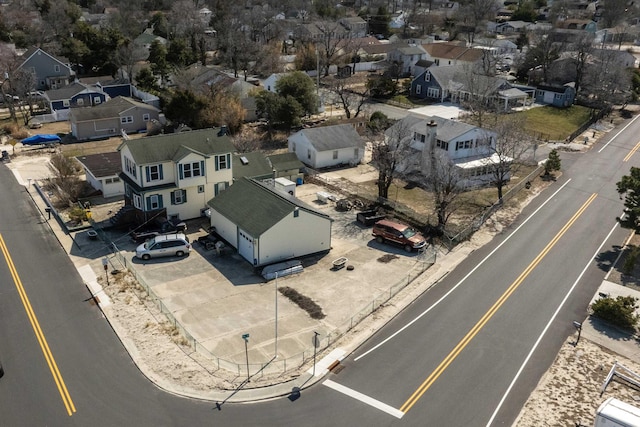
[164, 245]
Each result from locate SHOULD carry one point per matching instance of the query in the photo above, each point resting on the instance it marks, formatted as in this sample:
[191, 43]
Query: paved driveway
[218, 298]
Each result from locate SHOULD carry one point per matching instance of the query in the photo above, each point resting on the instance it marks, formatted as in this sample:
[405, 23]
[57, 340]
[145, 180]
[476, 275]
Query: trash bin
[299, 181]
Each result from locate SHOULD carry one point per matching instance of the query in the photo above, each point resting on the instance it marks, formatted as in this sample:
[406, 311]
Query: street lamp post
[578, 326]
[245, 337]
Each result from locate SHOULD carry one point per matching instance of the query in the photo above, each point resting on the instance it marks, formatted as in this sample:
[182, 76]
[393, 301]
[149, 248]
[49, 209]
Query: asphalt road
[450, 359]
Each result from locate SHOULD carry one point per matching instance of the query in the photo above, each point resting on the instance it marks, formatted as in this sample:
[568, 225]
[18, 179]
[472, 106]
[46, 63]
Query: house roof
[251, 165]
[103, 164]
[68, 92]
[172, 146]
[31, 51]
[285, 161]
[447, 130]
[111, 108]
[334, 137]
[453, 51]
[555, 88]
[256, 207]
[457, 78]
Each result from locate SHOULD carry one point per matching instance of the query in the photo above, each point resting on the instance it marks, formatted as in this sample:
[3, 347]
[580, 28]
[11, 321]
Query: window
[97, 100]
[137, 201]
[111, 180]
[130, 167]
[442, 144]
[308, 154]
[190, 170]
[335, 154]
[427, 76]
[223, 162]
[126, 119]
[539, 93]
[80, 101]
[65, 102]
[56, 68]
[433, 92]
[463, 144]
[154, 202]
[219, 187]
[418, 89]
[154, 173]
[200, 188]
[178, 197]
[558, 96]
[145, 117]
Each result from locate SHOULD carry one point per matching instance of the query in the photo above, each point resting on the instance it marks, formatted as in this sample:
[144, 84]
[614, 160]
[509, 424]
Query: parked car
[164, 245]
[160, 225]
[397, 232]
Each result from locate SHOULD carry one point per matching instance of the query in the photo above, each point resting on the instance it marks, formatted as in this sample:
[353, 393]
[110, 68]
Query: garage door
[245, 246]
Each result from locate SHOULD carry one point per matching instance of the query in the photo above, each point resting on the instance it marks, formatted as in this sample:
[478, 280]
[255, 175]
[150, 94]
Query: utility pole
[315, 347]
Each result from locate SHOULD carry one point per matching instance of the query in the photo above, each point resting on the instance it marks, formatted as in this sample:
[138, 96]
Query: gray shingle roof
[447, 130]
[255, 207]
[257, 167]
[327, 138]
[285, 161]
[111, 108]
[68, 92]
[172, 146]
[104, 164]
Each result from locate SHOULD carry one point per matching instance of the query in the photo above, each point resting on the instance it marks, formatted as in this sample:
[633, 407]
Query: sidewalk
[90, 268]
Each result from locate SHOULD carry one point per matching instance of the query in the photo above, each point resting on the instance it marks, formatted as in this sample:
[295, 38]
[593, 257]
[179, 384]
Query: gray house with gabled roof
[327, 146]
[174, 175]
[49, 71]
[267, 226]
[73, 96]
[287, 165]
[111, 118]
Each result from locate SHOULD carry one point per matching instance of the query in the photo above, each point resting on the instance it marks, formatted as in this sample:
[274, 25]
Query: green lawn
[555, 123]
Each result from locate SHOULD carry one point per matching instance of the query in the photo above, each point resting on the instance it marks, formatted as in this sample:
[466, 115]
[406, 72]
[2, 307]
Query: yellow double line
[632, 152]
[62, 388]
[489, 314]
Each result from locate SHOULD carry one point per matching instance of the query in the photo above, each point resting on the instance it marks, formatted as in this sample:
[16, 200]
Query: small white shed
[328, 146]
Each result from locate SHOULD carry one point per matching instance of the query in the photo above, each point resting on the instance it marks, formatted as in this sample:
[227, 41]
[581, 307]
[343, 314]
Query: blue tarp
[41, 140]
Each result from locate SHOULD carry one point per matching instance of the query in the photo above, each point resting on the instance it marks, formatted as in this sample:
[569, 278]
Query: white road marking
[322, 367]
[616, 135]
[399, 331]
[364, 399]
[544, 331]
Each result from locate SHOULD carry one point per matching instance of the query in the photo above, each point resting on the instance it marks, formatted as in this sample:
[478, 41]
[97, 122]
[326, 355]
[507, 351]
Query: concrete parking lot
[219, 298]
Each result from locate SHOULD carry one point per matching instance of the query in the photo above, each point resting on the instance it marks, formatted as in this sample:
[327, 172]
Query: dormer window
[154, 173]
[191, 170]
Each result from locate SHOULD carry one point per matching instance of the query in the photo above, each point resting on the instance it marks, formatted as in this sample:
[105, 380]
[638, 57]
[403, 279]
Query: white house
[269, 83]
[102, 173]
[328, 146]
[174, 175]
[470, 148]
[268, 226]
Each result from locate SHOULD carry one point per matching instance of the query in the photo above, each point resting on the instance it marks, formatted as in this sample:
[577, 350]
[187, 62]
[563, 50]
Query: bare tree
[508, 149]
[65, 182]
[442, 178]
[352, 93]
[582, 51]
[607, 83]
[389, 149]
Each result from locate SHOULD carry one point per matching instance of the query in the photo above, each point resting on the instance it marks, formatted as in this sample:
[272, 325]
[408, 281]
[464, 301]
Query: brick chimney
[428, 151]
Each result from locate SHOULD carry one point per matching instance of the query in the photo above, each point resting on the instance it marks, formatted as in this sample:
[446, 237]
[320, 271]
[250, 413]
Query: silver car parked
[164, 245]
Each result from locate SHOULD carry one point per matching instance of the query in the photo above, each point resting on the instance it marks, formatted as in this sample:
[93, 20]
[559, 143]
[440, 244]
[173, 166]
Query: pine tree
[553, 163]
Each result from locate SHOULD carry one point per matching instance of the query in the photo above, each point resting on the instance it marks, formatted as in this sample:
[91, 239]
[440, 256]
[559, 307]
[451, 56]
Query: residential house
[102, 172]
[509, 27]
[203, 78]
[49, 71]
[112, 118]
[319, 31]
[269, 84]
[73, 96]
[110, 86]
[470, 148]
[556, 95]
[327, 146]
[146, 39]
[452, 54]
[175, 175]
[356, 26]
[287, 165]
[405, 57]
[459, 84]
[267, 226]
